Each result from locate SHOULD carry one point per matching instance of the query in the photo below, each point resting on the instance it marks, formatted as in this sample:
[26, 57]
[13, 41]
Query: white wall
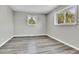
[22, 29]
[67, 34]
[6, 23]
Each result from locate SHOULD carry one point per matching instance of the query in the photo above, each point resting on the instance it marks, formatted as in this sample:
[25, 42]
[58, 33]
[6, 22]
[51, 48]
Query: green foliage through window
[31, 21]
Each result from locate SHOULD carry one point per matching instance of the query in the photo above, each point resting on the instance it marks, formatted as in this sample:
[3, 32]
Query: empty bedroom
[39, 29]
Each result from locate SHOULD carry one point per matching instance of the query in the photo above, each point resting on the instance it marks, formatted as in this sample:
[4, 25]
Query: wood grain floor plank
[36, 45]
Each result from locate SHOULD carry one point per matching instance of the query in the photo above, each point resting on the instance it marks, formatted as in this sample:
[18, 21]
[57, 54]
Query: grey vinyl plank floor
[36, 45]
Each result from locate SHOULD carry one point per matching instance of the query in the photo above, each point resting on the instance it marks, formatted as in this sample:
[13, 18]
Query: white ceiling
[42, 9]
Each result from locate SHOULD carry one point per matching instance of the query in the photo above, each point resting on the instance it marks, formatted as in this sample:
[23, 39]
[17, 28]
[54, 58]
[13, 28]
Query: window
[31, 20]
[67, 16]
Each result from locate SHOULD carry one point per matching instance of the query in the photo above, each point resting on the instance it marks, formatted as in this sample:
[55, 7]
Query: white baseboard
[6, 41]
[40, 35]
[19, 36]
[29, 35]
[64, 42]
